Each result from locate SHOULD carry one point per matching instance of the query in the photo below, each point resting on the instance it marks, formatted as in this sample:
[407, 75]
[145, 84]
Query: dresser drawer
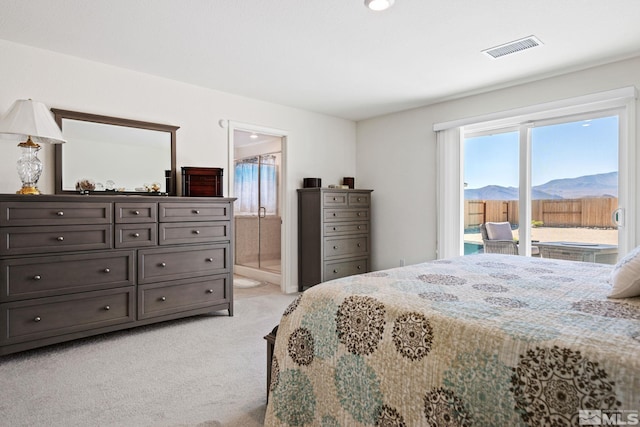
[194, 232]
[136, 212]
[36, 277]
[54, 213]
[337, 269]
[331, 215]
[177, 212]
[41, 239]
[167, 298]
[346, 246]
[340, 228]
[359, 199]
[136, 235]
[157, 265]
[334, 199]
[45, 317]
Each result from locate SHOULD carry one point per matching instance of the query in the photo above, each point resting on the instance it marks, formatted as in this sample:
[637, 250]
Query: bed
[482, 340]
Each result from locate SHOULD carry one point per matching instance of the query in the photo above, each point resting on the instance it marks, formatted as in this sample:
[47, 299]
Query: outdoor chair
[497, 238]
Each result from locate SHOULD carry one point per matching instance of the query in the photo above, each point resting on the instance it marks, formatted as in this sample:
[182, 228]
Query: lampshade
[378, 4]
[27, 118]
[31, 121]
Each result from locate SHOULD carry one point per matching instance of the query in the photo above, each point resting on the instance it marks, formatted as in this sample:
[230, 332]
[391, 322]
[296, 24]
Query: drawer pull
[163, 298]
[37, 277]
[359, 198]
[196, 231]
[335, 228]
[359, 213]
[359, 227]
[37, 319]
[359, 267]
[136, 212]
[136, 234]
[209, 259]
[163, 264]
[60, 239]
[196, 211]
[335, 247]
[335, 271]
[335, 198]
[107, 270]
[60, 213]
[107, 308]
[209, 291]
[359, 245]
[334, 214]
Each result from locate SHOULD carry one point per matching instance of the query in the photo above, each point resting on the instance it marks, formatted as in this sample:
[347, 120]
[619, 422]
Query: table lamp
[31, 120]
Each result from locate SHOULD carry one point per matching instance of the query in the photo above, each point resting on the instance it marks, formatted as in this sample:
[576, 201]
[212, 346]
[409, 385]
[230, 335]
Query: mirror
[107, 155]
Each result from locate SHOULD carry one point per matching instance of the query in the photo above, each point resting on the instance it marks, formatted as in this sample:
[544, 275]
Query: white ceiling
[331, 56]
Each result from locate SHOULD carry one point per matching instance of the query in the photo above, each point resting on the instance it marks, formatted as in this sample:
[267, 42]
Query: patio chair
[497, 238]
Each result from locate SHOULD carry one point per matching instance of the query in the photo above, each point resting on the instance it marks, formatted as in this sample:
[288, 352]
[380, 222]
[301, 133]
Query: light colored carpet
[203, 371]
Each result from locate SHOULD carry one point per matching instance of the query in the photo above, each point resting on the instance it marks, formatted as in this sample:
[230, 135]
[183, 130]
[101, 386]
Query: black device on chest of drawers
[75, 266]
[334, 234]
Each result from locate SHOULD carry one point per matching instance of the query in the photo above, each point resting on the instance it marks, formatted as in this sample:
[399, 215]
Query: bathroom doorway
[257, 178]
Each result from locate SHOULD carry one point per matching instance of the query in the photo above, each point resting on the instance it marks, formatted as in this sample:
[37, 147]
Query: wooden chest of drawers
[334, 238]
[74, 266]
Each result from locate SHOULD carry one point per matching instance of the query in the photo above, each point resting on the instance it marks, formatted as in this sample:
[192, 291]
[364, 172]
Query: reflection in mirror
[107, 154]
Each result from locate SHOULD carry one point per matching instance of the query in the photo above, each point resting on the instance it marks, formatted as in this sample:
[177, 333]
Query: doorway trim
[284, 207]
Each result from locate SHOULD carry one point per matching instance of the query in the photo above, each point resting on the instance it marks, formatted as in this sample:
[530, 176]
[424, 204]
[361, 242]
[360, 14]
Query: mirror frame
[75, 115]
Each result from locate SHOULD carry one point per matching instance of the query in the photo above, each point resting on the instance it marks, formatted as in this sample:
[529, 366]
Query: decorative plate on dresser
[75, 266]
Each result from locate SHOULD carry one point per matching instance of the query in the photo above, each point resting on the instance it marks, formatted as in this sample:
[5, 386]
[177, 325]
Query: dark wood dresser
[334, 234]
[75, 266]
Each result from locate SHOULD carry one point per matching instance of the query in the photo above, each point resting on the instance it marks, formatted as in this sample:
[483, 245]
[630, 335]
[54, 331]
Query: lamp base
[28, 190]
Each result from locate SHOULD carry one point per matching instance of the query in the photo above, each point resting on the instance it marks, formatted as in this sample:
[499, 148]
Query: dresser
[74, 266]
[334, 234]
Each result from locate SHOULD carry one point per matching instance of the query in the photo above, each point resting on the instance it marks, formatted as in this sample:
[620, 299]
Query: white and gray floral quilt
[482, 340]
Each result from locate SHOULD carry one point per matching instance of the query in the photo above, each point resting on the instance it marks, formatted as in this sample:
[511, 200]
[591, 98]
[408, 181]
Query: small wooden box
[201, 182]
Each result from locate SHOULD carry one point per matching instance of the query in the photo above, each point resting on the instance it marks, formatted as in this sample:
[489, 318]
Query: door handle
[617, 217]
[262, 212]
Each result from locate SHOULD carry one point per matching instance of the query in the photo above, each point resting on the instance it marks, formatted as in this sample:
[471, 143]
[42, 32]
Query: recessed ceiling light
[378, 4]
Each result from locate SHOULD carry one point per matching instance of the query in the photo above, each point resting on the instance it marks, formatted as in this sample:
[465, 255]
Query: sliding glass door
[491, 183]
[561, 175]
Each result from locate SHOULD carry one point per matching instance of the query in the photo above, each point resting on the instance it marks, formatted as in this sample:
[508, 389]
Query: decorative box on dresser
[75, 266]
[334, 234]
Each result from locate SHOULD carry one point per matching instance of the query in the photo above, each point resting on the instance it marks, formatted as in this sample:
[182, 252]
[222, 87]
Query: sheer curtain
[256, 185]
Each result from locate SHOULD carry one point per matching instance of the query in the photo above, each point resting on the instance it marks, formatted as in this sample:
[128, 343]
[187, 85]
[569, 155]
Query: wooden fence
[592, 212]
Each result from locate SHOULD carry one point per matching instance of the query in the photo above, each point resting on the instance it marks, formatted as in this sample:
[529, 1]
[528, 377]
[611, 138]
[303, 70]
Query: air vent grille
[513, 47]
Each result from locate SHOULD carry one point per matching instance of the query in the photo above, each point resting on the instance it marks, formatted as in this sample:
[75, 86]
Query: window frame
[450, 146]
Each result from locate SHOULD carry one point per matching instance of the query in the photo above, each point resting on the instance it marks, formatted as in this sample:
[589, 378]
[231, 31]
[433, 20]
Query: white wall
[396, 156]
[317, 145]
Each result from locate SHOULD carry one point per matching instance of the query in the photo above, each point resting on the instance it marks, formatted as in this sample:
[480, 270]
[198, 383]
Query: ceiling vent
[513, 47]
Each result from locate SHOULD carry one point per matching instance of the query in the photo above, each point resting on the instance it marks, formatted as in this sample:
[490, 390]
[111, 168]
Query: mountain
[599, 185]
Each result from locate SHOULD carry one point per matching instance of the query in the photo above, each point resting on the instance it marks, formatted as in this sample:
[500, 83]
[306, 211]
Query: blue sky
[565, 150]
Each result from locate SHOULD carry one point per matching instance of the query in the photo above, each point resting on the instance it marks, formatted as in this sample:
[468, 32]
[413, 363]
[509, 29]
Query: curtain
[449, 194]
[256, 185]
